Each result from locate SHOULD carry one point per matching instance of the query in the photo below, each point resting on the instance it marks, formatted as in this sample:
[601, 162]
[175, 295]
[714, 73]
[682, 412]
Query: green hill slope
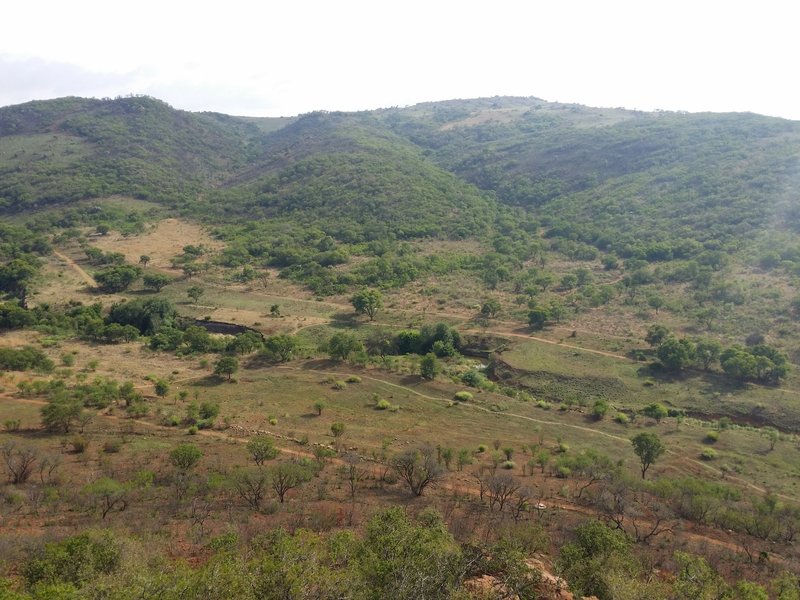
[58, 151]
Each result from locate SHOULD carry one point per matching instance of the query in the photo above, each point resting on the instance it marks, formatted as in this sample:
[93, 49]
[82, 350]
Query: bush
[463, 396]
[509, 464]
[112, 446]
[273, 421]
[383, 404]
[353, 379]
[482, 448]
[79, 444]
[12, 424]
[708, 454]
[712, 437]
[192, 430]
[622, 419]
[339, 385]
[563, 448]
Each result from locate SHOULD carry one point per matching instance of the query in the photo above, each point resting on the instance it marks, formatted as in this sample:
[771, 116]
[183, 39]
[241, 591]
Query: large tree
[648, 447]
[418, 468]
[367, 302]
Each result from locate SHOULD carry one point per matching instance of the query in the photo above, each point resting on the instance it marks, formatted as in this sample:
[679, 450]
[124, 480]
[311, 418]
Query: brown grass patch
[162, 243]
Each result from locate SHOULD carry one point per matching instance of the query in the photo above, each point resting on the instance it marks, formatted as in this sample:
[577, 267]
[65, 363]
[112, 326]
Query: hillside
[466, 350]
[60, 151]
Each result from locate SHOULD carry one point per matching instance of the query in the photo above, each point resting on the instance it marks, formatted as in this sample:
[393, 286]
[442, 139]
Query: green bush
[353, 379]
[383, 404]
[463, 396]
[622, 418]
[708, 454]
[509, 464]
[712, 437]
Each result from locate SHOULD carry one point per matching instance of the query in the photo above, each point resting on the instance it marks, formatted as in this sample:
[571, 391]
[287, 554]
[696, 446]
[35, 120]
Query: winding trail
[551, 423]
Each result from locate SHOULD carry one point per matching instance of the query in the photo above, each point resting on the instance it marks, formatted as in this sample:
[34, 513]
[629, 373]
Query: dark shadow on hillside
[344, 320]
[209, 381]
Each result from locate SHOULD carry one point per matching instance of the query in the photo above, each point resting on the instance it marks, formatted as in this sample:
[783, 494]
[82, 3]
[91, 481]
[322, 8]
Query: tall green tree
[648, 447]
[367, 301]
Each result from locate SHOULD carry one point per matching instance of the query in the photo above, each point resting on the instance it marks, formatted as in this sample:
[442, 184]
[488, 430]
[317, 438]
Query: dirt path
[77, 268]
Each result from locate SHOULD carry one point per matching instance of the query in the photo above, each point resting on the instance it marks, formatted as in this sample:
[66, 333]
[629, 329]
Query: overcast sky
[271, 59]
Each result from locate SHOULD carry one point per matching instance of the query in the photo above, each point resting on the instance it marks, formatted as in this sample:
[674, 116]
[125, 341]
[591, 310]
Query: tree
[656, 334]
[162, 388]
[227, 365]
[707, 352]
[287, 476]
[61, 413]
[251, 485]
[185, 457]
[773, 435]
[537, 318]
[318, 406]
[190, 270]
[418, 468]
[194, 293]
[429, 366]
[337, 429]
[490, 308]
[648, 447]
[117, 278]
[655, 302]
[676, 354]
[342, 345]
[280, 348]
[262, 449]
[19, 462]
[108, 494]
[245, 343]
[367, 302]
[143, 260]
[655, 411]
[403, 560]
[156, 281]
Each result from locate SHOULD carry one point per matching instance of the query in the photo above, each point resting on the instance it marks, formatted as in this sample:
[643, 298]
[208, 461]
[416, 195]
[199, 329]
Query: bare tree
[418, 468]
[500, 488]
[19, 462]
[199, 511]
[287, 476]
[353, 473]
[252, 486]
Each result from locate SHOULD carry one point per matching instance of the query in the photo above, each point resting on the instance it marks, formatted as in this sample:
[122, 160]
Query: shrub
[463, 396]
[353, 379]
[339, 385]
[482, 448]
[712, 437]
[563, 448]
[112, 446]
[12, 424]
[383, 404]
[79, 444]
[273, 421]
[622, 419]
[708, 454]
[192, 430]
[509, 464]
[599, 410]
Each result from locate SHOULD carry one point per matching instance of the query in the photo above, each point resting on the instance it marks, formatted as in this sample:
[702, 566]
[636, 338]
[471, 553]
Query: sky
[285, 58]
